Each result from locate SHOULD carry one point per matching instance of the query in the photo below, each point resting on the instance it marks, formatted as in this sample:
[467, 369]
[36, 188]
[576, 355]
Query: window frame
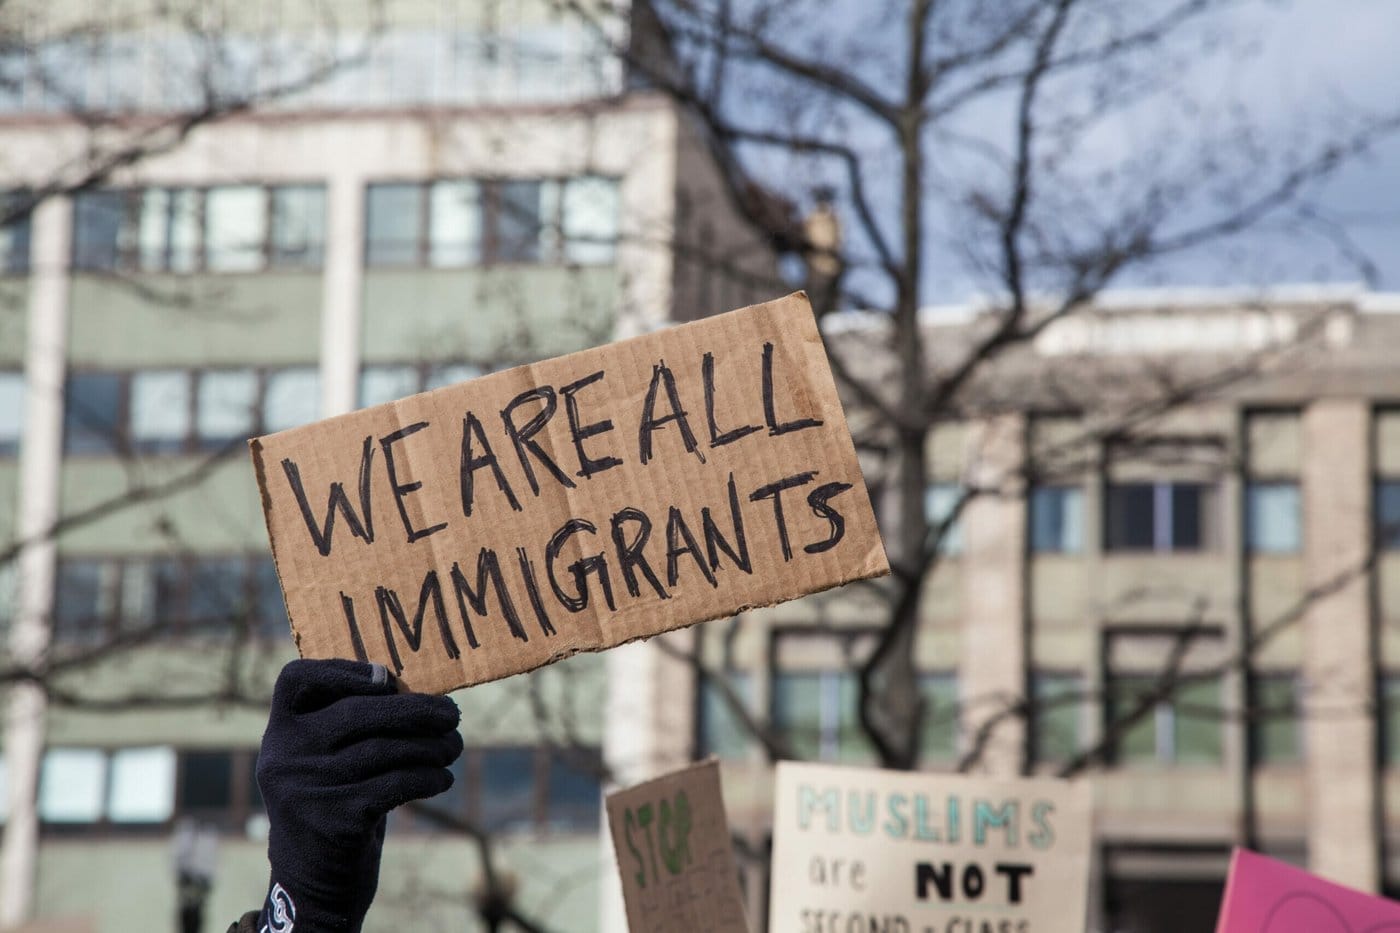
[1164, 499]
[114, 622]
[125, 444]
[126, 251]
[551, 243]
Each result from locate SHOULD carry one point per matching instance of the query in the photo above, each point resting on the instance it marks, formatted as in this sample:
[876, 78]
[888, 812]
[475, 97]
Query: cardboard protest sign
[673, 850]
[900, 852]
[575, 504]
[1267, 896]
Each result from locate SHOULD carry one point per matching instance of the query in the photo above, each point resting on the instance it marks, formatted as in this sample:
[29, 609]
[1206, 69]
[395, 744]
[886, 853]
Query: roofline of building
[1356, 294]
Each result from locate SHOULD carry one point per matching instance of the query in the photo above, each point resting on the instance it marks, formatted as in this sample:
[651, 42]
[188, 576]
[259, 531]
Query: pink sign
[1266, 896]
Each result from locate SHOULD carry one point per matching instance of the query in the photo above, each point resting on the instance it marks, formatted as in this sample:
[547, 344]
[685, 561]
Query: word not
[940, 876]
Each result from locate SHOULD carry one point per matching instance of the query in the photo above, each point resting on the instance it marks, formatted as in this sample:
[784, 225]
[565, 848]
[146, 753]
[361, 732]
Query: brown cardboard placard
[867, 849]
[575, 504]
[675, 856]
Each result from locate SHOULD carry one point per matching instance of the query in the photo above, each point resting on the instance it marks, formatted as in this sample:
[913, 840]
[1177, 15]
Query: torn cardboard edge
[574, 504]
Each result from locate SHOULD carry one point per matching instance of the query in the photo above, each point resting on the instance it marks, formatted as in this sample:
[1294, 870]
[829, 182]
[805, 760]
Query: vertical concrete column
[1337, 671]
[341, 287]
[41, 450]
[994, 590]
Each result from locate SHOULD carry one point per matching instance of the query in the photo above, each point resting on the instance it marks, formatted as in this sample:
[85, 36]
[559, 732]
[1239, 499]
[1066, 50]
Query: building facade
[471, 186]
[1175, 549]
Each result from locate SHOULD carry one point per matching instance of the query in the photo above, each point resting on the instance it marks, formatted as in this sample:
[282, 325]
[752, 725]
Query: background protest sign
[865, 849]
[674, 853]
[575, 504]
[1267, 896]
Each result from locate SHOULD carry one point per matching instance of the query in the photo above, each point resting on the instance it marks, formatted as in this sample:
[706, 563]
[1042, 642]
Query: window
[98, 220]
[1275, 726]
[237, 228]
[4, 792]
[92, 413]
[1273, 518]
[11, 412]
[455, 223]
[380, 384]
[942, 716]
[1057, 519]
[590, 220]
[169, 411]
[817, 712]
[142, 785]
[573, 791]
[298, 227]
[206, 596]
[227, 408]
[454, 239]
[14, 236]
[168, 230]
[1182, 728]
[72, 785]
[720, 731]
[506, 792]
[94, 789]
[1390, 718]
[940, 500]
[1059, 702]
[293, 398]
[160, 410]
[393, 225]
[1388, 514]
[1159, 516]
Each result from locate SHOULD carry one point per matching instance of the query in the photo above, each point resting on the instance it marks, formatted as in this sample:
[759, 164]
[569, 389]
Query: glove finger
[308, 685]
[384, 792]
[380, 756]
[351, 719]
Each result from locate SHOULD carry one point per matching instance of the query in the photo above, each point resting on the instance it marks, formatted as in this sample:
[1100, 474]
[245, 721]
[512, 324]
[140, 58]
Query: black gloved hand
[341, 750]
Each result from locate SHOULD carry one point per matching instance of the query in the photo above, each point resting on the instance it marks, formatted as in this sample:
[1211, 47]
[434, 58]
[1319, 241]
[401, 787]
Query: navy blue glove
[342, 749]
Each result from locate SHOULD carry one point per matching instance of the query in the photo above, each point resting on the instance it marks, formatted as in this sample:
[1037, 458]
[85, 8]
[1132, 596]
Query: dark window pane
[1275, 729]
[1058, 699]
[14, 236]
[1057, 519]
[82, 601]
[393, 225]
[271, 610]
[1129, 517]
[218, 598]
[167, 577]
[1188, 511]
[92, 413]
[506, 789]
[206, 783]
[1198, 734]
[518, 221]
[98, 218]
[722, 733]
[298, 226]
[1137, 742]
[574, 791]
[797, 711]
[1388, 514]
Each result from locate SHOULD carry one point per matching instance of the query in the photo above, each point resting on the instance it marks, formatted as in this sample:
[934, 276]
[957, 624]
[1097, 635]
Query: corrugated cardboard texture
[494, 526]
[865, 849]
[673, 850]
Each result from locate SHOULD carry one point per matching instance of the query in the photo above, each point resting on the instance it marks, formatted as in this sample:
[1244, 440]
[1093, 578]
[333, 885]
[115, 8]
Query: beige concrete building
[1197, 497]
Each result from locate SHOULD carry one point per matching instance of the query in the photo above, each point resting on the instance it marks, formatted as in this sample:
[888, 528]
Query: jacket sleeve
[247, 924]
